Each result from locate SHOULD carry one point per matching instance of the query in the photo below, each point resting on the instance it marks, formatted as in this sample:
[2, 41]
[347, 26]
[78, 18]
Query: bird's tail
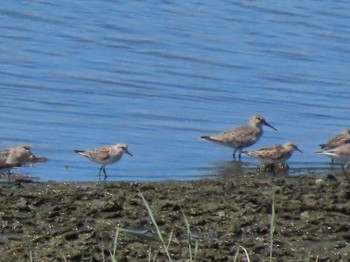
[80, 152]
[325, 153]
[323, 146]
[209, 138]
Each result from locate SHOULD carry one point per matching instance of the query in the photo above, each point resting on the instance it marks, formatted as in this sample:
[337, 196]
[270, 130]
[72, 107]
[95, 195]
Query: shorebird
[19, 148]
[271, 155]
[274, 154]
[20, 155]
[242, 136]
[16, 156]
[105, 155]
[339, 154]
[340, 139]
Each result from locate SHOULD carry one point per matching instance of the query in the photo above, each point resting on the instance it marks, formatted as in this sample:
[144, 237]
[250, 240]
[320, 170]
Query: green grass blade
[308, 256]
[170, 238]
[237, 253]
[196, 247]
[272, 227]
[113, 259]
[159, 233]
[150, 213]
[115, 243]
[30, 256]
[246, 253]
[141, 235]
[189, 235]
[149, 251]
[64, 258]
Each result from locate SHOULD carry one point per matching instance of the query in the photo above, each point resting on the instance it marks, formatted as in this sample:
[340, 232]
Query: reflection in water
[278, 169]
[228, 169]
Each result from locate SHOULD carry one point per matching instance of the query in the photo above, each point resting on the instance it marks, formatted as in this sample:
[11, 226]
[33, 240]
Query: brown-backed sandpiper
[242, 136]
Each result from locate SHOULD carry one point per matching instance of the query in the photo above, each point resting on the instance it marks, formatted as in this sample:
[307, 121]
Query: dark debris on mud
[77, 221]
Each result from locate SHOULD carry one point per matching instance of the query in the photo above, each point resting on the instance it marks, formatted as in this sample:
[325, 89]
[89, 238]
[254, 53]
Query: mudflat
[78, 221]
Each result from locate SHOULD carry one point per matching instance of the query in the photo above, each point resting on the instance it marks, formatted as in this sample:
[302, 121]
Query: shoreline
[228, 170]
[77, 220]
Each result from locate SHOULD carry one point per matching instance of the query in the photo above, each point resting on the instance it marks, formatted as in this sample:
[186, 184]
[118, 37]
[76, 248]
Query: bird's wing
[4, 154]
[240, 134]
[271, 152]
[336, 141]
[102, 152]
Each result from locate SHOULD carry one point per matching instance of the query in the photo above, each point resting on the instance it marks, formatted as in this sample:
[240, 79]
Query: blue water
[158, 75]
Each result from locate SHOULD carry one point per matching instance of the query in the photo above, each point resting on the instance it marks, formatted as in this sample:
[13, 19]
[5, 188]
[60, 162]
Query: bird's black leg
[343, 168]
[273, 169]
[104, 171]
[234, 153]
[99, 173]
[344, 171]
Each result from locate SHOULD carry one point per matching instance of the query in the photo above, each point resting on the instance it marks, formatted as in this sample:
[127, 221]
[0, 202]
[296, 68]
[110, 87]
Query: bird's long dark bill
[267, 124]
[126, 151]
[299, 150]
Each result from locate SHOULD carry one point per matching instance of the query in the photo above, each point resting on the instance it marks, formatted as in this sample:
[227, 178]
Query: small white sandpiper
[105, 155]
[16, 156]
[340, 139]
[241, 136]
[339, 154]
[271, 155]
[19, 155]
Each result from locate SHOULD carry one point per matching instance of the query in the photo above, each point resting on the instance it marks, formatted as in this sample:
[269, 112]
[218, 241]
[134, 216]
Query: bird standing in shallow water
[105, 155]
[339, 154]
[19, 155]
[16, 156]
[340, 139]
[274, 154]
[242, 136]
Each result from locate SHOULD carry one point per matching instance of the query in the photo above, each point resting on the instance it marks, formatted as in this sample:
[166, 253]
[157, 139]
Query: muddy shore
[77, 221]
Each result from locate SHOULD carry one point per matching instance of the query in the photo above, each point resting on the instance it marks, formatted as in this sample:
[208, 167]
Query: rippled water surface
[157, 76]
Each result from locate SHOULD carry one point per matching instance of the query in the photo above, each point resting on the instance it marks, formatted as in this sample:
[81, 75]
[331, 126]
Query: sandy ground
[78, 221]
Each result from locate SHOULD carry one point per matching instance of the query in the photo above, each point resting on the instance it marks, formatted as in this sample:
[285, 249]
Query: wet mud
[78, 221]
